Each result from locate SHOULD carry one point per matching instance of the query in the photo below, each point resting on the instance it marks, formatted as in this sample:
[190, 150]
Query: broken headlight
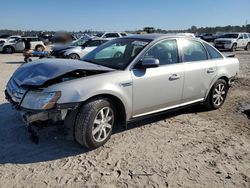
[37, 100]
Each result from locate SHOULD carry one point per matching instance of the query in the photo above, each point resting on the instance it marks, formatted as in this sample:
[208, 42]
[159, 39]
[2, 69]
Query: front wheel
[234, 47]
[8, 50]
[74, 56]
[94, 123]
[217, 95]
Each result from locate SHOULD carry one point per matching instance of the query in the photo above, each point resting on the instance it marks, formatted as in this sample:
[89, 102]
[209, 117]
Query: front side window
[193, 51]
[117, 53]
[166, 52]
[214, 54]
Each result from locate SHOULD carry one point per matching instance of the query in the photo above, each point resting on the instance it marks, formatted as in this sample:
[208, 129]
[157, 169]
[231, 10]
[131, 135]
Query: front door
[155, 89]
[19, 46]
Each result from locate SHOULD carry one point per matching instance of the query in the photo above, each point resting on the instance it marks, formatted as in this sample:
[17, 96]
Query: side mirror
[149, 63]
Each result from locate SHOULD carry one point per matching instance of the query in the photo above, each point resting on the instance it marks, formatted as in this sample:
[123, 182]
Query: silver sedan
[119, 81]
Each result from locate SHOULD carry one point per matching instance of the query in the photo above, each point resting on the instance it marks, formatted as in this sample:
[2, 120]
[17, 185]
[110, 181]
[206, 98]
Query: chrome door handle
[174, 77]
[210, 70]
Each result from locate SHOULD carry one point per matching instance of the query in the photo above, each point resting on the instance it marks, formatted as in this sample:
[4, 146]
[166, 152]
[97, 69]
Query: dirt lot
[188, 148]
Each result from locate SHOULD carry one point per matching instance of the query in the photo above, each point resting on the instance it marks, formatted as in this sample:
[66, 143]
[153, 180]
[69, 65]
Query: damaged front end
[26, 89]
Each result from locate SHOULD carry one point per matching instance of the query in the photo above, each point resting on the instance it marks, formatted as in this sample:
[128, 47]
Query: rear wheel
[217, 95]
[8, 50]
[94, 123]
[74, 56]
[247, 48]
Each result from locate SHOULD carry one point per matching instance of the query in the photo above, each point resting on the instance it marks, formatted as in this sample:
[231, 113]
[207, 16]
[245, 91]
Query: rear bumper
[232, 80]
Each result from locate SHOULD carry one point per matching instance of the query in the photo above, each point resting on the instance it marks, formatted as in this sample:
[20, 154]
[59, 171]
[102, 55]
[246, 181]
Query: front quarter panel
[116, 83]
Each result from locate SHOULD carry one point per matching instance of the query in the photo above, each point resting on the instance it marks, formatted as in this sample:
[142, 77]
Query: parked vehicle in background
[57, 49]
[62, 38]
[233, 41]
[77, 52]
[18, 45]
[111, 35]
[154, 73]
[10, 38]
[186, 34]
[45, 37]
[209, 37]
[4, 37]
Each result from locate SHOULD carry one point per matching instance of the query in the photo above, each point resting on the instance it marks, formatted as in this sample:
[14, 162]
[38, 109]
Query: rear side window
[214, 54]
[245, 36]
[193, 51]
[123, 34]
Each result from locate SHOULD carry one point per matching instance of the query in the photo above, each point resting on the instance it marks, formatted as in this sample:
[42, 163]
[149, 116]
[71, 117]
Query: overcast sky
[121, 15]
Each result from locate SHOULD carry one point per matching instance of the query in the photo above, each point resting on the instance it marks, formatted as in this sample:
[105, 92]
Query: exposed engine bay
[71, 76]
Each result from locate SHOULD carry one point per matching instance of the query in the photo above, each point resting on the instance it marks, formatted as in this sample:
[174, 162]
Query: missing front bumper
[52, 116]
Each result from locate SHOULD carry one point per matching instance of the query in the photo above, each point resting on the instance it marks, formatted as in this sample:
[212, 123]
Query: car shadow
[15, 62]
[17, 148]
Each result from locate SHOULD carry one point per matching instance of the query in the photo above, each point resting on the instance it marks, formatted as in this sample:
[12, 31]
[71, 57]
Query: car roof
[156, 36]
[29, 37]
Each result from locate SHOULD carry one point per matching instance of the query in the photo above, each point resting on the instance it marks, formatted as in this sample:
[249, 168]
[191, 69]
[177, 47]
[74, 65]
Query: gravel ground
[189, 148]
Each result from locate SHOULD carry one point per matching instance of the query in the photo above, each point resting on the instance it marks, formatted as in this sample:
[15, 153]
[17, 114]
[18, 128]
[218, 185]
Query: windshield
[116, 54]
[79, 42]
[234, 36]
[99, 34]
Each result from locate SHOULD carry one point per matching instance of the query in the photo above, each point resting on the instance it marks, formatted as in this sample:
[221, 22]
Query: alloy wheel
[219, 94]
[103, 124]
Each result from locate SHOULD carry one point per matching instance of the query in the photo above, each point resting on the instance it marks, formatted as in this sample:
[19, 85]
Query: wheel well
[120, 108]
[74, 54]
[225, 78]
[10, 47]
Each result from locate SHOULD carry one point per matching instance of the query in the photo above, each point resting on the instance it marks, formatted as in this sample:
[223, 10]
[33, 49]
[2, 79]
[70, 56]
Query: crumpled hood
[38, 72]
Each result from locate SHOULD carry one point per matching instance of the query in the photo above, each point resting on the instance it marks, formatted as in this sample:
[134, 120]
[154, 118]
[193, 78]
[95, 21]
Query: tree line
[193, 29]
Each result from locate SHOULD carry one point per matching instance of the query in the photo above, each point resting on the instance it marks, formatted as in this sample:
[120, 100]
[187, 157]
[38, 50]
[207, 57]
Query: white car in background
[111, 35]
[77, 52]
[10, 39]
[233, 41]
[18, 45]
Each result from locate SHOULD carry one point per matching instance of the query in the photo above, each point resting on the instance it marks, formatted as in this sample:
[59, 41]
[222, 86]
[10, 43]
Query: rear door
[199, 70]
[241, 41]
[155, 89]
[19, 46]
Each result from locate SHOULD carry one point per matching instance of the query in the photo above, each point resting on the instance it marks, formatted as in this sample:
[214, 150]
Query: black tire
[84, 125]
[234, 47]
[27, 59]
[8, 49]
[74, 56]
[39, 48]
[210, 102]
[247, 48]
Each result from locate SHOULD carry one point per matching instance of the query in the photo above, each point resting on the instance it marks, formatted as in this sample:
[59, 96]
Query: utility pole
[246, 26]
